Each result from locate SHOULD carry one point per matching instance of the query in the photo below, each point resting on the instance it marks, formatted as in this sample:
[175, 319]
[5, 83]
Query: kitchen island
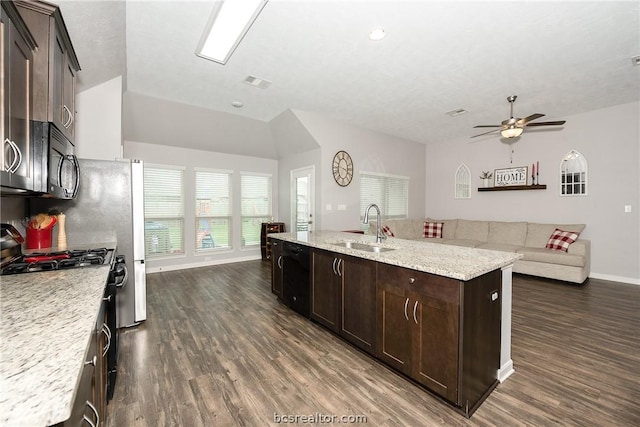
[47, 321]
[438, 314]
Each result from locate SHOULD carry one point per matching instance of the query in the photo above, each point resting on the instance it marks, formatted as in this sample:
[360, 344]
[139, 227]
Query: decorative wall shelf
[514, 187]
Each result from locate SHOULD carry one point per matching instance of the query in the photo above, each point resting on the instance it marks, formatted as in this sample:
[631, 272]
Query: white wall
[610, 141]
[372, 152]
[99, 121]
[162, 154]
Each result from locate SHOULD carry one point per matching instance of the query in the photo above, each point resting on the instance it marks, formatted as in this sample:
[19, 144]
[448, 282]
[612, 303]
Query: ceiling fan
[514, 126]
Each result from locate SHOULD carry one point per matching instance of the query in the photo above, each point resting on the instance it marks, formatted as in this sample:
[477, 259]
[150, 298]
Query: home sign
[510, 176]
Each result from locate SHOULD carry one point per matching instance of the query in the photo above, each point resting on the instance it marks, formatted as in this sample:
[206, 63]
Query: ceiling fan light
[511, 132]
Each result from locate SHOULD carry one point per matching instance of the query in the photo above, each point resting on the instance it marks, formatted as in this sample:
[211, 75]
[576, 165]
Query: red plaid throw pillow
[386, 230]
[433, 229]
[560, 240]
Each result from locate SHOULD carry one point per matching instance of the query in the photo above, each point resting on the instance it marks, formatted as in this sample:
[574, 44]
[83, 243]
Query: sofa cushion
[504, 247]
[464, 242]
[550, 256]
[510, 233]
[561, 239]
[448, 227]
[432, 230]
[538, 234]
[472, 230]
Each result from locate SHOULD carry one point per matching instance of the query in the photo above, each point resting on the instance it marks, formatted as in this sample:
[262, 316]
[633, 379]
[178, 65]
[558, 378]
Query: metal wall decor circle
[342, 168]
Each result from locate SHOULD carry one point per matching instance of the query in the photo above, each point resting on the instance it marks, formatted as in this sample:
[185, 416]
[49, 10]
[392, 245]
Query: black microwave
[56, 171]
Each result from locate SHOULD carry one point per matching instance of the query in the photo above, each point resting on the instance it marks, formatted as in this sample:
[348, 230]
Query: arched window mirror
[463, 182]
[573, 174]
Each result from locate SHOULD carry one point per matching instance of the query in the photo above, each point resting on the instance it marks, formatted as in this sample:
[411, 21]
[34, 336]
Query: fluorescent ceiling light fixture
[229, 22]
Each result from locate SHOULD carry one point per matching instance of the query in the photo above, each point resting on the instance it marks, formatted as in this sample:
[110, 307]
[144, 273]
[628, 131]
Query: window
[163, 210]
[573, 174]
[389, 192]
[213, 209]
[463, 182]
[255, 206]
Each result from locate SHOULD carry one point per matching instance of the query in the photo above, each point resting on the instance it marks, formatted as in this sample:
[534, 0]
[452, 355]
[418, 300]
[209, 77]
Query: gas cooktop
[59, 260]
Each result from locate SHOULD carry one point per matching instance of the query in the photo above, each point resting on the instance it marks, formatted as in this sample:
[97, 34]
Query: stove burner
[65, 259]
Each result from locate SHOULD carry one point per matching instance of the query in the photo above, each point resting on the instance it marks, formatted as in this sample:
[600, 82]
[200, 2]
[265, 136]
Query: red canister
[39, 238]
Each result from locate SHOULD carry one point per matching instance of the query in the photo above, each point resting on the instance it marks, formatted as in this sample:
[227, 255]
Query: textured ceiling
[560, 58]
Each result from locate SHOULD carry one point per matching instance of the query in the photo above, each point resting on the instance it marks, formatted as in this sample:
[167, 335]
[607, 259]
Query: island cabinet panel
[276, 267]
[325, 289]
[358, 302]
[418, 316]
[343, 296]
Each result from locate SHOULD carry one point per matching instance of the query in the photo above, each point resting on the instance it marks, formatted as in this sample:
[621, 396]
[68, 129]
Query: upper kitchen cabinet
[16, 62]
[55, 66]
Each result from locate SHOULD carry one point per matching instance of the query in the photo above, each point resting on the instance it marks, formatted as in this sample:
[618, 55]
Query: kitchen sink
[363, 247]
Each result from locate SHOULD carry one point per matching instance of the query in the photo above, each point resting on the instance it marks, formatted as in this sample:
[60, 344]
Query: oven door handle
[124, 279]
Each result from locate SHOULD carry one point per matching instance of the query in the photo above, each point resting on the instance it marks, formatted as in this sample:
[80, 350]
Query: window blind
[255, 206]
[389, 192]
[163, 210]
[213, 209]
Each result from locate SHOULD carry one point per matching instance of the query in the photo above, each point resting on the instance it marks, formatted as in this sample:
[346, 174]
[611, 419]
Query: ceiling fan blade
[486, 133]
[530, 118]
[556, 123]
[487, 126]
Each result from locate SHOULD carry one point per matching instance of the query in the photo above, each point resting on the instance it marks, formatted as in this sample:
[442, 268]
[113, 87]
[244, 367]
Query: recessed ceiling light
[237, 104]
[636, 60]
[377, 34]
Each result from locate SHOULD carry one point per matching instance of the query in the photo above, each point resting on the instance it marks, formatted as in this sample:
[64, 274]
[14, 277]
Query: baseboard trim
[200, 264]
[505, 371]
[613, 278]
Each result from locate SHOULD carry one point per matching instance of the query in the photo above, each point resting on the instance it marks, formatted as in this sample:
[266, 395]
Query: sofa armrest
[580, 247]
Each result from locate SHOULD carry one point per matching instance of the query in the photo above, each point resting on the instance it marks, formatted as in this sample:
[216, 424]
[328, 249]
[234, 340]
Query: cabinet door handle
[412, 280]
[340, 267]
[333, 266]
[107, 299]
[406, 303]
[280, 262]
[415, 306]
[14, 158]
[17, 158]
[92, 362]
[95, 412]
[69, 117]
[88, 420]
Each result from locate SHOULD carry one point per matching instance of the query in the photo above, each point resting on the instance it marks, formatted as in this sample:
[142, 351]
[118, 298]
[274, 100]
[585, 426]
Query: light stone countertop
[46, 321]
[452, 261]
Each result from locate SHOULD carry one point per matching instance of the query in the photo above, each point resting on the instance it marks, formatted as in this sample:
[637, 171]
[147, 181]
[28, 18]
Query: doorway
[302, 199]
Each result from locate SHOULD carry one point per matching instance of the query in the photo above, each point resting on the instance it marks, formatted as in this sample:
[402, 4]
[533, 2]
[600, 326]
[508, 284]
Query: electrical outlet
[627, 208]
[328, 207]
[342, 207]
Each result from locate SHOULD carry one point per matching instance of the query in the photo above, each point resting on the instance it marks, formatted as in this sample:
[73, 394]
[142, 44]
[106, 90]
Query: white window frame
[462, 189]
[197, 217]
[383, 205]
[264, 218]
[148, 245]
[581, 170]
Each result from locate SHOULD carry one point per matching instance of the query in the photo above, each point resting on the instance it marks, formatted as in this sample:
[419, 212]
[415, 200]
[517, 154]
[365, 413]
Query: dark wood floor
[219, 350]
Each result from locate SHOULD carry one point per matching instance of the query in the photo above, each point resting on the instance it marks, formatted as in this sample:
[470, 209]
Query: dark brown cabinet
[441, 332]
[55, 66]
[277, 264]
[343, 296]
[265, 243]
[16, 52]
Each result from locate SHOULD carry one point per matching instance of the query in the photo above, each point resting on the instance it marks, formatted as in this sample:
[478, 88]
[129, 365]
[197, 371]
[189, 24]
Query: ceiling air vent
[257, 82]
[457, 112]
[635, 60]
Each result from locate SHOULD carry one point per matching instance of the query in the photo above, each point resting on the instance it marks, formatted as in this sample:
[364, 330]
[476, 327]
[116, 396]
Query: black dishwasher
[295, 280]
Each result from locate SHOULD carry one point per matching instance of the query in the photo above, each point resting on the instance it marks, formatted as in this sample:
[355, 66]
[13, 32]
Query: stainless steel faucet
[379, 235]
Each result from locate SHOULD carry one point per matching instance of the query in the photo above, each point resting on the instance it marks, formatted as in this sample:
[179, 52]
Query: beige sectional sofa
[527, 238]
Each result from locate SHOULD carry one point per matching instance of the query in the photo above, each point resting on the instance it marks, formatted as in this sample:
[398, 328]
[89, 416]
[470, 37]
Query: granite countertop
[46, 321]
[452, 261]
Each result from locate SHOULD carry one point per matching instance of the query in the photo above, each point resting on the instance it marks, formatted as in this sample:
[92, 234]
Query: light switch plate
[627, 208]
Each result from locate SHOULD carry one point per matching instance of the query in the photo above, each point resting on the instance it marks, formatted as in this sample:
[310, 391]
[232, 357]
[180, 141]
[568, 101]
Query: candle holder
[533, 179]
